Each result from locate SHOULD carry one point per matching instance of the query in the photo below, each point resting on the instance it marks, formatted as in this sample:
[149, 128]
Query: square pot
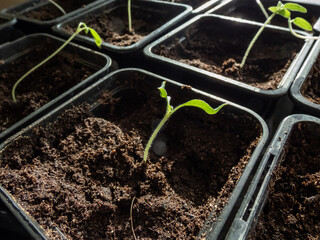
[282, 200]
[203, 175]
[199, 6]
[6, 22]
[305, 90]
[208, 48]
[41, 14]
[78, 67]
[110, 20]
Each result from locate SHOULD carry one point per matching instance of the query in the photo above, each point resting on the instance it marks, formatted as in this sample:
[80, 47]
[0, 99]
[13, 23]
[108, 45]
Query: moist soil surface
[194, 3]
[82, 173]
[217, 49]
[292, 207]
[113, 26]
[49, 12]
[311, 87]
[49, 81]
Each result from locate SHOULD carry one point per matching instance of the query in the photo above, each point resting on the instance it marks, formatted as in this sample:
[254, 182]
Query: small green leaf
[203, 105]
[273, 9]
[295, 7]
[284, 13]
[302, 23]
[96, 37]
[163, 92]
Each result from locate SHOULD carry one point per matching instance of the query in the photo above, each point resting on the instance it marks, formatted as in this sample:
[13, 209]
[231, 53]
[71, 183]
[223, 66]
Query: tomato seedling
[171, 110]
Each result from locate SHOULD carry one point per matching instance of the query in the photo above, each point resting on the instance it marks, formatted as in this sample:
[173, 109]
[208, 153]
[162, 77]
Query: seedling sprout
[81, 27]
[129, 16]
[171, 110]
[58, 6]
[284, 11]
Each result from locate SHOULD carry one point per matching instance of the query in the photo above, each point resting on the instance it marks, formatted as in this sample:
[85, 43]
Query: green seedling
[129, 17]
[283, 10]
[81, 27]
[171, 110]
[58, 6]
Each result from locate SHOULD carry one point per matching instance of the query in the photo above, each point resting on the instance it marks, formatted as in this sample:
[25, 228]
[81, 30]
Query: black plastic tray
[295, 91]
[256, 196]
[114, 82]
[11, 51]
[38, 25]
[8, 32]
[204, 7]
[180, 12]
[250, 96]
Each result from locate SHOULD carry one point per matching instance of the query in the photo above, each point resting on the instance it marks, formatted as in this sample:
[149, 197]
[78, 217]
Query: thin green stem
[58, 6]
[131, 218]
[298, 35]
[262, 8]
[255, 39]
[43, 62]
[129, 16]
[155, 133]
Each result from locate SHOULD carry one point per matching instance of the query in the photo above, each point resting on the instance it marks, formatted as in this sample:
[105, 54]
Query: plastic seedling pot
[202, 175]
[209, 47]
[150, 19]
[199, 6]
[280, 175]
[62, 77]
[10, 228]
[250, 10]
[6, 22]
[40, 15]
[8, 32]
[305, 90]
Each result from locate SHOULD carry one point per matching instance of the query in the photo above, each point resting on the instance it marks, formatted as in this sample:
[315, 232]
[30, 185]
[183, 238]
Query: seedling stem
[81, 27]
[171, 110]
[262, 8]
[58, 6]
[131, 218]
[253, 41]
[129, 16]
[284, 11]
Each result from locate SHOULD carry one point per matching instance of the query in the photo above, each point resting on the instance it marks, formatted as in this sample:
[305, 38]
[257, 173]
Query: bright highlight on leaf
[302, 23]
[96, 37]
[170, 110]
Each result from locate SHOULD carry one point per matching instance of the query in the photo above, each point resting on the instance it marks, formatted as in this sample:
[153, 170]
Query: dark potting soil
[292, 207]
[49, 11]
[81, 173]
[220, 50]
[49, 81]
[311, 87]
[193, 3]
[113, 26]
